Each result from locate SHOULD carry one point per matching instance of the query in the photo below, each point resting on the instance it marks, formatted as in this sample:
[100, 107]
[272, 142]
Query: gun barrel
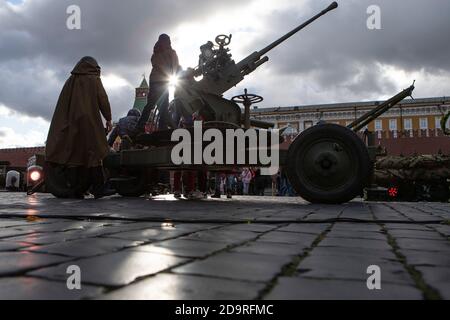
[368, 117]
[261, 124]
[332, 6]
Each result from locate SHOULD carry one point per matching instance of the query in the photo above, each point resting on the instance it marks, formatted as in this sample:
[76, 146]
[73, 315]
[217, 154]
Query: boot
[99, 189]
[105, 192]
[216, 195]
[229, 193]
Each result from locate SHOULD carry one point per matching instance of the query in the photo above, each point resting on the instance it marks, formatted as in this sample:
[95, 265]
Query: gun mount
[220, 73]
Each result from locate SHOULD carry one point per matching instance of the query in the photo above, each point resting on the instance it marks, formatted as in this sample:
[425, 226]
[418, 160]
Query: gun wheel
[328, 163]
[135, 186]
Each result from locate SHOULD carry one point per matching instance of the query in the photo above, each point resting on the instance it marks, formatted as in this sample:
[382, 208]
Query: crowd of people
[246, 181]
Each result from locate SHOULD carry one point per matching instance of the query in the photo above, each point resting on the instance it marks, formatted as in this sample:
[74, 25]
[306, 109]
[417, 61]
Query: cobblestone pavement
[244, 248]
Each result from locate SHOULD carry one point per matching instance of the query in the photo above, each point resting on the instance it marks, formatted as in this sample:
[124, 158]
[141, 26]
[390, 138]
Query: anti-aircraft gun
[326, 163]
[219, 73]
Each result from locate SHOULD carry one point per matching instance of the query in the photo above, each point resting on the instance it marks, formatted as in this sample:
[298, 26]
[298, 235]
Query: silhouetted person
[77, 137]
[260, 183]
[164, 65]
[125, 128]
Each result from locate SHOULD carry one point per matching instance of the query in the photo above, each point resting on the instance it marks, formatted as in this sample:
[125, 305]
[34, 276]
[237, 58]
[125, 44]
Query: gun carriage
[326, 163]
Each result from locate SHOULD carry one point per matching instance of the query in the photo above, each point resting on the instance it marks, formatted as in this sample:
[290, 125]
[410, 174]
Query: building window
[300, 126]
[393, 124]
[308, 124]
[437, 122]
[407, 124]
[378, 125]
[290, 130]
[423, 123]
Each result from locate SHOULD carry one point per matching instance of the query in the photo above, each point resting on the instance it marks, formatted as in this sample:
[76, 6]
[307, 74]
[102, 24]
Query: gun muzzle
[332, 6]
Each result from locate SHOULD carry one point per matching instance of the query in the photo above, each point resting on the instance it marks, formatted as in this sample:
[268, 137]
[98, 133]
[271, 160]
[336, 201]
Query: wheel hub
[326, 163]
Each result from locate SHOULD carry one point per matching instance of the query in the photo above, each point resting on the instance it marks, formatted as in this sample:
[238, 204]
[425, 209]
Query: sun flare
[173, 80]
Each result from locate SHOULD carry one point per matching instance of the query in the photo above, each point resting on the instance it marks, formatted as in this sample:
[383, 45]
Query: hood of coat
[87, 65]
[164, 44]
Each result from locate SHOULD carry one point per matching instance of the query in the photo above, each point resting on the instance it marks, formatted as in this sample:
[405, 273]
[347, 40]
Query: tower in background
[141, 95]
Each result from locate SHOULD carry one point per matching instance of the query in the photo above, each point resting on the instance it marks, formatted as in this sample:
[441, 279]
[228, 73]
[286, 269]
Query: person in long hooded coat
[164, 65]
[77, 136]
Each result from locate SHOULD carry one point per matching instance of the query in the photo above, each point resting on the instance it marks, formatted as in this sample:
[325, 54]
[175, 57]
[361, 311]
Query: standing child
[246, 179]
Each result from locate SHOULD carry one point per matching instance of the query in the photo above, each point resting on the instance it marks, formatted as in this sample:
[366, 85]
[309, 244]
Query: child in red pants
[185, 179]
[188, 178]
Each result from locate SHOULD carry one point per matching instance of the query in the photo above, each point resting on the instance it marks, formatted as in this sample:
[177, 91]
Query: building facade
[413, 126]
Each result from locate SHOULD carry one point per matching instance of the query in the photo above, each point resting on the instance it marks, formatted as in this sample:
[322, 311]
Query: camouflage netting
[427, 168]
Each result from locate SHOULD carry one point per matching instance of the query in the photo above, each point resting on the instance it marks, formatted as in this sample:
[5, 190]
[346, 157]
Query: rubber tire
[134, 188]
[65, 182]
[346, 137]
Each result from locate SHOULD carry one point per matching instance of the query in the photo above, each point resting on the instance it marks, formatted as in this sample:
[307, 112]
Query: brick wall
[428, 141]
[19, 157]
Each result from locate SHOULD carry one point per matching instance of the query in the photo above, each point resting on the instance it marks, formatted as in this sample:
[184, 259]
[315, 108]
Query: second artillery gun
[327, 163]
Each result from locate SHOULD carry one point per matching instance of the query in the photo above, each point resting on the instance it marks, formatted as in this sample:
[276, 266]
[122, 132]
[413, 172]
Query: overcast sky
[337, 59]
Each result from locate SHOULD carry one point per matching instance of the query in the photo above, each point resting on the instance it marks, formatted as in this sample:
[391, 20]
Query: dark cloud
[335, 59]
[412, 36]
[37, 51]
[339, 50]
[117, 32]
